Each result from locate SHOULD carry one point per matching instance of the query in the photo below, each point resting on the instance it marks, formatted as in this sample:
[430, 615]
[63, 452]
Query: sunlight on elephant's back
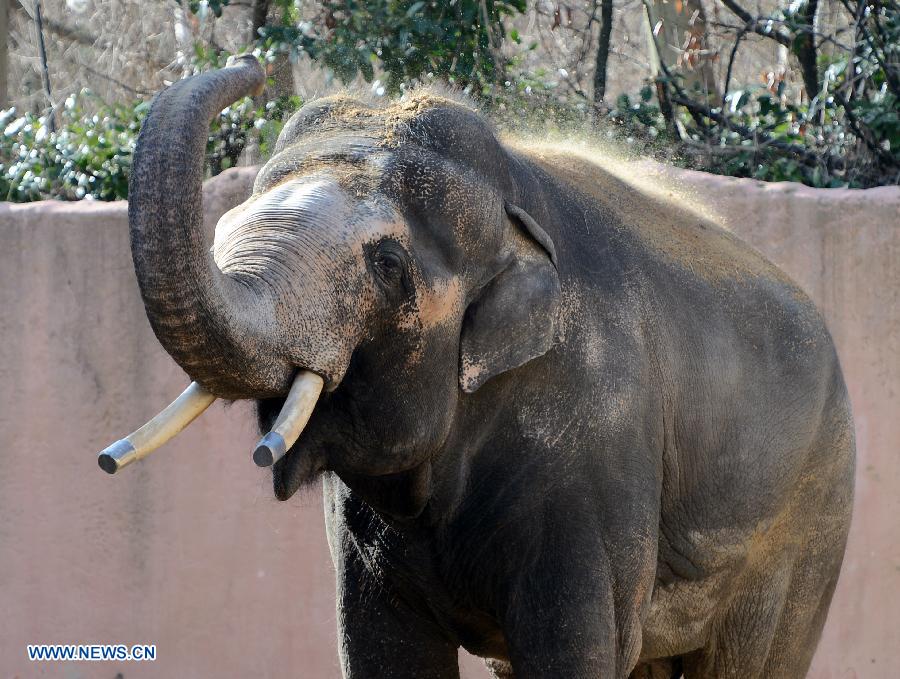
[649, 177]
[671, 219]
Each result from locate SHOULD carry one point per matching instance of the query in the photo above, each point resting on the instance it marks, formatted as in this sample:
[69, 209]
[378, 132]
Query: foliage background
[804, 90]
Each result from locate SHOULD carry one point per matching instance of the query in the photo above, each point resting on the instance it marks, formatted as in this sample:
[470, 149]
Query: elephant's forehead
[453, 196]
[424, 176]
[354, 160]
[309, 206]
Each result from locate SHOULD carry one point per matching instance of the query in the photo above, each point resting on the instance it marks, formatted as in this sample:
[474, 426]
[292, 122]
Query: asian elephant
[568, 425]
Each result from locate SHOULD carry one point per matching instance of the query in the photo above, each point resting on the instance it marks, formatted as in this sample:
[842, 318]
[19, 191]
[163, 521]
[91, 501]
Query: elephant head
[385, 248]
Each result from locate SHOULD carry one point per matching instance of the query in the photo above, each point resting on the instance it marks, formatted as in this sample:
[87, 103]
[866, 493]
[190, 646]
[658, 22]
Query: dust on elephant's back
[680, 227]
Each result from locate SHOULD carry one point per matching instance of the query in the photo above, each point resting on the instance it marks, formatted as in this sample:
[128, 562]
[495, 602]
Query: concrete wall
[190, 551]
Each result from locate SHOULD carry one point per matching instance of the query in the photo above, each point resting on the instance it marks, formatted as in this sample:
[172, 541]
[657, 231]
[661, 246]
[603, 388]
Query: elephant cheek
[440, 304]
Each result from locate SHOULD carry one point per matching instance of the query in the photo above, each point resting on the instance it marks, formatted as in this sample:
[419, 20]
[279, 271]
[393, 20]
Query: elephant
[568, 424]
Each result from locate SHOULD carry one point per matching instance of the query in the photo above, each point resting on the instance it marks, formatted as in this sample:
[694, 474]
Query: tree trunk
[258, 20]
[606, 18]
[4, 54]
[805, 48]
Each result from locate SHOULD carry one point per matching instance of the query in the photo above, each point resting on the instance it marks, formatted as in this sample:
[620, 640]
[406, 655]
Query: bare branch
[71, 34]
[739, 11]
[109, 78]
[887, 158]
[734, 49]
[892, 77]
[45, 71]
[801, 153]
[753, 24]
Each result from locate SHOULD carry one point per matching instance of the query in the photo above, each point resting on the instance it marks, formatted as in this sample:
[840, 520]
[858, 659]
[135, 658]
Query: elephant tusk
[177, 415]
[294, 415]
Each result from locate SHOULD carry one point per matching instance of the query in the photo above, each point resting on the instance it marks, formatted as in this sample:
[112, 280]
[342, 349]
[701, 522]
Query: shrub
[89, 156]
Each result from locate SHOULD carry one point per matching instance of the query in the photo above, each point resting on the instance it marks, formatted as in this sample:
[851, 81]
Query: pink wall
[190, 550]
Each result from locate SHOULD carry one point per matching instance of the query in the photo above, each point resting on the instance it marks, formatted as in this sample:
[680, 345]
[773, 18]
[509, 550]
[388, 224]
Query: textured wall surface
[190, 551]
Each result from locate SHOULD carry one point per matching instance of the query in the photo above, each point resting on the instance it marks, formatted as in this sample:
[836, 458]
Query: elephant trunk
[213, 325]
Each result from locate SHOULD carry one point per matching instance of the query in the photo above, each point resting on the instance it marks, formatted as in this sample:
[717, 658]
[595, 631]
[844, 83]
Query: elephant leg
[812, 585]
[771, 628]
[379, 636]
[569, 629]
[744, 631]
[574, 612]
[382, 639]
[773, 623]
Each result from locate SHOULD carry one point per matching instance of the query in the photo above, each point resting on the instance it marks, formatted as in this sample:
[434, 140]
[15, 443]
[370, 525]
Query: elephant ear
[513, 319]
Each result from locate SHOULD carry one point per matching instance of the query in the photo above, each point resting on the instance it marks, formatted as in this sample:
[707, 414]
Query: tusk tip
[107, 463]
[269, 450]
[116, 456]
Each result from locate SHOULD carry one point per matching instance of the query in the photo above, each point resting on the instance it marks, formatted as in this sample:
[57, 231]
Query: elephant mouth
[293, 414]
[299, 467]
[292, 445]
[284, 447]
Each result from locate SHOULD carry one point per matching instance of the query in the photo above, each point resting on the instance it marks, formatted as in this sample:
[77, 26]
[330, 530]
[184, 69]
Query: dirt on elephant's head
[351, 136]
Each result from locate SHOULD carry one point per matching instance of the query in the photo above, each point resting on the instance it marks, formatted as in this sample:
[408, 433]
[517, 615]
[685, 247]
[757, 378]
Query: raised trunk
[213, 325]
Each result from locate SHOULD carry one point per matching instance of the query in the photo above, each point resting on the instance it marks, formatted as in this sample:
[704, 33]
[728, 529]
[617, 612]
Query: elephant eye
[389, 265]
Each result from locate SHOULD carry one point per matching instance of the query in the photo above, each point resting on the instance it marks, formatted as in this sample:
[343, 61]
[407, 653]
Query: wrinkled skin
[572, 428]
